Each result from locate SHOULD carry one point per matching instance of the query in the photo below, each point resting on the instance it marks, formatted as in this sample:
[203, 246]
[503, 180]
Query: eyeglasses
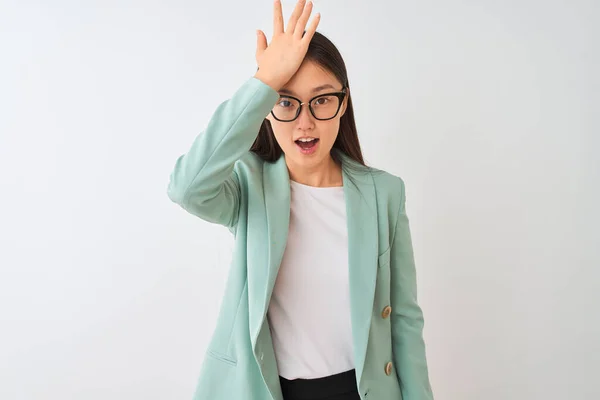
[323, 107]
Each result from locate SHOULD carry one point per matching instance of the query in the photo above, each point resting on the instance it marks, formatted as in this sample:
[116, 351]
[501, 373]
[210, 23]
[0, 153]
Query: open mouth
[307, 144]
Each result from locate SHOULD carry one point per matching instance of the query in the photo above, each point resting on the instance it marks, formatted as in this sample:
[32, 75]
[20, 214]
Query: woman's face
[309, 81]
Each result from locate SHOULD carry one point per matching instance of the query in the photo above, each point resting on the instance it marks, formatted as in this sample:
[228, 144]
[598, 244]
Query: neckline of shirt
[301, 185]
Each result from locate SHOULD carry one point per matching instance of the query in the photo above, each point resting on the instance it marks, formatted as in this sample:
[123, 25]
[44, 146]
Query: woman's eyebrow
[315, 90]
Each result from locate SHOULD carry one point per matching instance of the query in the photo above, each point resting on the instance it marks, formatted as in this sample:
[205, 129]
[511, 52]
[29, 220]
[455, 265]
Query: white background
[487, 109]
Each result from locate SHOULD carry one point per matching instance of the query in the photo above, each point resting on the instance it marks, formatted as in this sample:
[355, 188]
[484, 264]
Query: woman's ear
[345, 102]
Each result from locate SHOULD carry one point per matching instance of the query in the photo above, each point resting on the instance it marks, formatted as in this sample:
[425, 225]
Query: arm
[407, 317]
[203, 181]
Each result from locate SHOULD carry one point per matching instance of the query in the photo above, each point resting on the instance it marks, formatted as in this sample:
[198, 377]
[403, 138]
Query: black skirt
[340, 386]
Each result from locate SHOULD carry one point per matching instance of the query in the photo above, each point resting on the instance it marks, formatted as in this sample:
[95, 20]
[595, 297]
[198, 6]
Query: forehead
[311, 76]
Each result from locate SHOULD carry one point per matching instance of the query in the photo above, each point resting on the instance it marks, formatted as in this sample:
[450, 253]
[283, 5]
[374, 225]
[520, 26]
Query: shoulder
[389, 187]
[390, 194]
[249, 164]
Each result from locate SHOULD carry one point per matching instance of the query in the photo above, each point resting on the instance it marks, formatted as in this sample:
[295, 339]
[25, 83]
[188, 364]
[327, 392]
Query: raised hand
[280, 60]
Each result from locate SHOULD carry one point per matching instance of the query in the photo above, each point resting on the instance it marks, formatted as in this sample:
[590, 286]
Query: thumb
[261, 43]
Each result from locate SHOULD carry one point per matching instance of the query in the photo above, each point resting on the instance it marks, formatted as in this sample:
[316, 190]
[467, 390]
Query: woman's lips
[307, 147]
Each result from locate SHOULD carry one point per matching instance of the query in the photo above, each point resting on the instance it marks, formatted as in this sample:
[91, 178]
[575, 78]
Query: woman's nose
[305, 119]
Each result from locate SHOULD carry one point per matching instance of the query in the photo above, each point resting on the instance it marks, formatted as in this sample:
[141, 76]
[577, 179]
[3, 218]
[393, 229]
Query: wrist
[273, 83]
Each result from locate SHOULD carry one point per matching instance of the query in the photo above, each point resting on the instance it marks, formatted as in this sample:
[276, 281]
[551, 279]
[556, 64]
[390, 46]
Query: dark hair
[324, 53]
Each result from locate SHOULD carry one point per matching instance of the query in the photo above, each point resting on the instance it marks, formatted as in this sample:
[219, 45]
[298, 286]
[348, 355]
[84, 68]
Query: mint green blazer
[222, 182]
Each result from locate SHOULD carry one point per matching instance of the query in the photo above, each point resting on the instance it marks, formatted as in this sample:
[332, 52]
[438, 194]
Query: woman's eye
[321, 101]
[285, 103]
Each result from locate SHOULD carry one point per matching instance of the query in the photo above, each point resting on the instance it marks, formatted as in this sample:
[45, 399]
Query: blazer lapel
[361, 214]
[276, 183]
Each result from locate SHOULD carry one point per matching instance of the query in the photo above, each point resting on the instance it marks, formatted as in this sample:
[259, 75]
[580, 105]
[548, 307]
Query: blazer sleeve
[407, 317]
[203, 181]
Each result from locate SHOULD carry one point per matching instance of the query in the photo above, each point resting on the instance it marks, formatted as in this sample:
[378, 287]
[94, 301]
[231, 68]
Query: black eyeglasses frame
[340, 95]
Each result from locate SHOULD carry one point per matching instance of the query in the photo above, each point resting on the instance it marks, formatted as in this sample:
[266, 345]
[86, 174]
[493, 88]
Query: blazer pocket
[221, 357]
[384, 258]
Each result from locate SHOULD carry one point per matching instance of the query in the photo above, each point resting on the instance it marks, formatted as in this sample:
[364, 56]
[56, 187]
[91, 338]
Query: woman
[321, 299]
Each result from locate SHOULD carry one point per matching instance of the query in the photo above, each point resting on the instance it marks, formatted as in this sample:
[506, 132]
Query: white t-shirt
[309, 311]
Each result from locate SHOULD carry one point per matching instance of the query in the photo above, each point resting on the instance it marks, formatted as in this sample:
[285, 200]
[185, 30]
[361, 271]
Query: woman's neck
[325, 174]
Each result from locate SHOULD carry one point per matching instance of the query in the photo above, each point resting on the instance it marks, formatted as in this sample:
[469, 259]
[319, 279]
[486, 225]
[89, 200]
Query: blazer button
[388, 368]
[386, 311]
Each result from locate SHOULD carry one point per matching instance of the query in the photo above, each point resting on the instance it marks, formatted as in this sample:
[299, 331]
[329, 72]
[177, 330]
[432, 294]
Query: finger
[301, 25]
[310, 31]
[277, 18]
[295, 15]
[261, 43]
